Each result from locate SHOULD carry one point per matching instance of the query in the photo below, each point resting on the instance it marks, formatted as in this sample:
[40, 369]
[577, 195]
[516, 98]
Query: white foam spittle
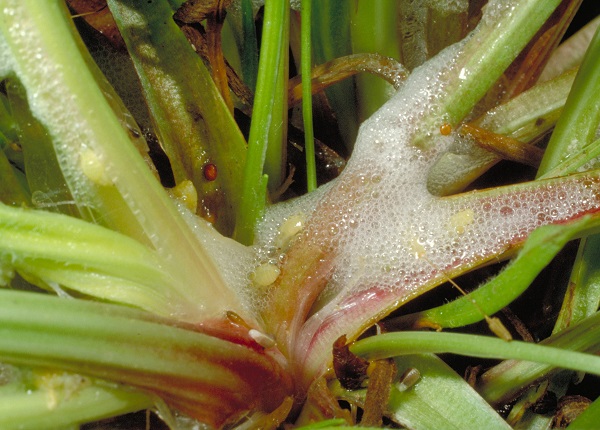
[377, 220]
[447, 7]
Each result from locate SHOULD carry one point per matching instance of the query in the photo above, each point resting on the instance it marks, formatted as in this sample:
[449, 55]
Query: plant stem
[330, 40]
[249, 52]
[392, 344]
[505, 380]
[306, 61]
[253, 198]
[97, 261]
[374, 28]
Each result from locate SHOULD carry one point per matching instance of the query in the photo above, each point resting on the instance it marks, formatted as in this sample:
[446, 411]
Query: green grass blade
[583, 293]
[572, 142]
[249, 52]
[579, 124]
[48, 186]
[266, 127]
[275, 158]
[96, 262]
[509, 378]
[576, 160]
[306, 62]
[392, 344]
[374, 29]
[489, 52]
[581, 114]
[330, 40]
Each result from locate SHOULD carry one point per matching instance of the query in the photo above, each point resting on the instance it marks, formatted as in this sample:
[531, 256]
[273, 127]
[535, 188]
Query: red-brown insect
[210, 172]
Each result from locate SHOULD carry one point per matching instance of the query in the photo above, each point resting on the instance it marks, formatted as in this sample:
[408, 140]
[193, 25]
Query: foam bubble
[447, 7]
[382, 227]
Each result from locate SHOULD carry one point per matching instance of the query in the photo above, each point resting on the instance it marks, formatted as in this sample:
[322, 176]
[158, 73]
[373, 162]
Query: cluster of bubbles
[381, 225]
[366, 217]
[48, 101]
[449, 6]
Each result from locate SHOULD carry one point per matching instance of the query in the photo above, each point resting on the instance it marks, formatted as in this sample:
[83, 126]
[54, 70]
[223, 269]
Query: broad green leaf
[192, 122]
[440, 399]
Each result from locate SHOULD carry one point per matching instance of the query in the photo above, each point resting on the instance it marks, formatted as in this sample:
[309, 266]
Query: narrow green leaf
[572, 143]
[491, 50]
[581, 114]
[330, 40]
[583, 293]
[54, 250]
[49, 189]
[579, 157]
[506, 380]
[249, 52]
[374, 27]
[276, 156]
[306, 61]
[267, 119]
[392, 344]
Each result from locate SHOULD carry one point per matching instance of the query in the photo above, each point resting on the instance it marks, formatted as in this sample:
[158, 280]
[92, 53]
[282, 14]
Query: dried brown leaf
[98, 16]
